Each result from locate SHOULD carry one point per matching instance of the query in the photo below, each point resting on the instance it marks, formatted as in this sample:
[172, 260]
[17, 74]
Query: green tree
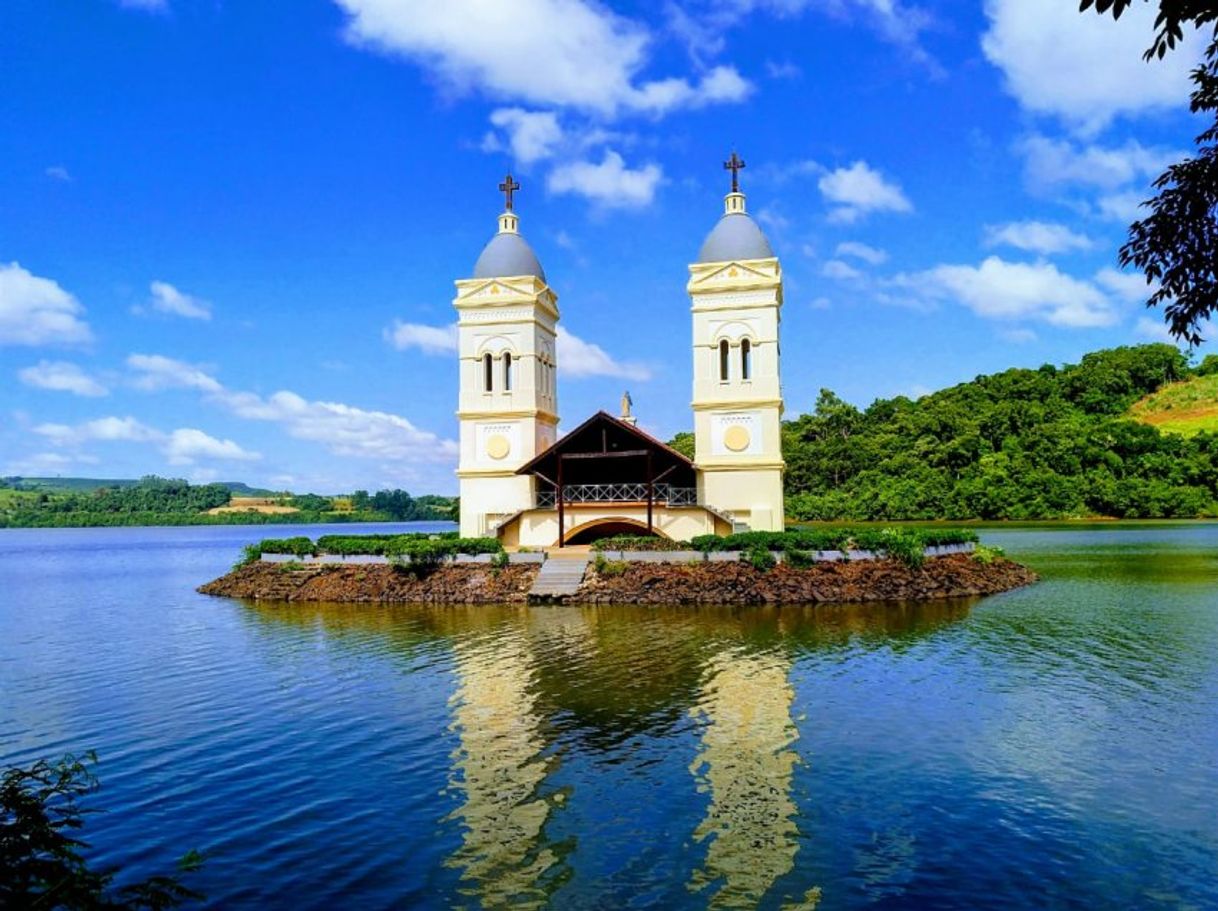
[683, 443]
[41, 865]
[1176, 245]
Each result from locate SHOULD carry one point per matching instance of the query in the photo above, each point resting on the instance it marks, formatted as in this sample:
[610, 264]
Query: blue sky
[229, 230]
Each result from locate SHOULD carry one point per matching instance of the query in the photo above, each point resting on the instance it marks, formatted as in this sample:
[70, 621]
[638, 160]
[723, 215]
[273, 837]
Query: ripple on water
[1051, 747]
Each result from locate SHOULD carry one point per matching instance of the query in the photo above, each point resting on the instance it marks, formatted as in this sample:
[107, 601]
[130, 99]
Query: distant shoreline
[231, 518]
[256, 519]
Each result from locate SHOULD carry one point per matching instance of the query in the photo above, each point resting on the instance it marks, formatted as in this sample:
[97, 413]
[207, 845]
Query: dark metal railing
[618, 493]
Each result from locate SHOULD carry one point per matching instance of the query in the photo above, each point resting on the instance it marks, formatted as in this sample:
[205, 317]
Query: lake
[1055, 747]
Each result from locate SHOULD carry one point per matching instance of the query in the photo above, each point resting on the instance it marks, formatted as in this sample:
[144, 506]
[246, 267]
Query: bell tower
[736, 292]
[507, 316]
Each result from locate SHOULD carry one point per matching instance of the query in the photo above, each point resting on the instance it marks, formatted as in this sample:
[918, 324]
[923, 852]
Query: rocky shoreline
[954, 576]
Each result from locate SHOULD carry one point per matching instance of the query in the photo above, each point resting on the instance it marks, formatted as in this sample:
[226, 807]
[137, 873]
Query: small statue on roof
[627, 404]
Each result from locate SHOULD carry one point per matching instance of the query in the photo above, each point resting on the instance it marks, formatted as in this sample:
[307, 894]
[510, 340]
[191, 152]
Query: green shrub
[426, 545]
[500, 560]
[609, 567]
[251, 553]
[649, 543]
[901, 544]
[988, 553]
[297, 547]
[798, 559]
[42, 853]
[761, 558]
[904, 544]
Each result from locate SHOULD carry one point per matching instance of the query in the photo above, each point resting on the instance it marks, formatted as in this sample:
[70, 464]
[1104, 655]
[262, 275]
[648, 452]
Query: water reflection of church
[519, 481]
[740, 699]
[557, 715]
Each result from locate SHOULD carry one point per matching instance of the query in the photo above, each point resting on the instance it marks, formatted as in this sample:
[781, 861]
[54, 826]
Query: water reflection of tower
[745, 762]
[499, 768]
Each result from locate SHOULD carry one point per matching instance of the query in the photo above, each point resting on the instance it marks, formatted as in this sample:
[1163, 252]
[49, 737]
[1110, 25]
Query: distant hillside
[26, 502]
[67, 485]
[1054, 442]
[88, 485]
[1183, 408]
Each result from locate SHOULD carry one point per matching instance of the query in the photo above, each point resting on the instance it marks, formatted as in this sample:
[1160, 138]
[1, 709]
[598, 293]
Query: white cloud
[36, 311]
[1018, 336]
[1041, 237]
[108, 429]
[866, 253]
[859, 190]
[772, 218]
[563, 53]
[187, 444]
[836, 269]
[1155, 330]
[343, 429]
[1084, 68]
[576, 357]
[148, 6]
[1128, 286]
[168, 299]
[58, 172]
[181, 447]
[1123, 207]
[41, 464]
[428, 339]
[1003, 290]
[61, 376]
[155, 371]
[780, 173]
[609, 184]
[782, 69]
[531, 135]
[701, 25]
[1051, 163]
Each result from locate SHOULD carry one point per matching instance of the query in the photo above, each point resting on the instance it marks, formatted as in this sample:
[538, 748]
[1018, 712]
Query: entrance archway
[607, 528]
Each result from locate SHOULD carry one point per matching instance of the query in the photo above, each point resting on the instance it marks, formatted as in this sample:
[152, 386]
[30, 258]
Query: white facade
[737, 388]
[508, 401]
[508, 406]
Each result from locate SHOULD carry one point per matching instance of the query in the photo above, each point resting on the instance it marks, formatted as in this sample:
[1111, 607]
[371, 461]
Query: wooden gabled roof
[576, 441]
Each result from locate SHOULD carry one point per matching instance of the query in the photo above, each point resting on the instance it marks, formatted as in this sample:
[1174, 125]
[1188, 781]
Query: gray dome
[736, 236]
[507, 254]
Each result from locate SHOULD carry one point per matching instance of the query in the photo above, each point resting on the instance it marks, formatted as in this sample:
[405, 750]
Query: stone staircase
[559, 578]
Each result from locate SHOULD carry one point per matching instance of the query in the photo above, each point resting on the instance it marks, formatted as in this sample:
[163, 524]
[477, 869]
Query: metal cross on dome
[507, 188]
[734, 164]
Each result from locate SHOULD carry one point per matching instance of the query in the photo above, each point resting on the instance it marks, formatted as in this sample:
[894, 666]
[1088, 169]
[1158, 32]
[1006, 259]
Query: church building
[521, 482]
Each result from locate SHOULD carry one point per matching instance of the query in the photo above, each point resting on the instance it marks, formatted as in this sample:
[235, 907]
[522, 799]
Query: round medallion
[497, 447]
[737, 438]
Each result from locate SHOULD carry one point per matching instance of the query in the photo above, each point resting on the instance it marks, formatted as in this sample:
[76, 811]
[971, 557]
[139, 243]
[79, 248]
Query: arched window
[507, 371]
[724, 360]
[746, 359]
[488, 373]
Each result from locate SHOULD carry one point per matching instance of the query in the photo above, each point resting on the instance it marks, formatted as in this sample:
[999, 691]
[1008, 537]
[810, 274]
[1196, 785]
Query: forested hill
[1024, 444]
[169, 501]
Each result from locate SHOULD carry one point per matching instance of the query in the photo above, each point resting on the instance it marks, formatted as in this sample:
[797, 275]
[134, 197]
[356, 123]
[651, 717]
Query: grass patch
[609, 567]
[1186, 408]
[988, 553]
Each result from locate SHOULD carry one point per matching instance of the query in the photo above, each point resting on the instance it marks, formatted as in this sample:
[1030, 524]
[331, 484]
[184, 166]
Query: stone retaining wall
[617, 556]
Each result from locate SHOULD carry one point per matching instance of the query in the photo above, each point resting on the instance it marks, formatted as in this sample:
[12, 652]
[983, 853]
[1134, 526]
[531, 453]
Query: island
[798, 566]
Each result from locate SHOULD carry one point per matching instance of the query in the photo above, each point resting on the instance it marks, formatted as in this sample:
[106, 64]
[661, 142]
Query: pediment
[734, 272]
